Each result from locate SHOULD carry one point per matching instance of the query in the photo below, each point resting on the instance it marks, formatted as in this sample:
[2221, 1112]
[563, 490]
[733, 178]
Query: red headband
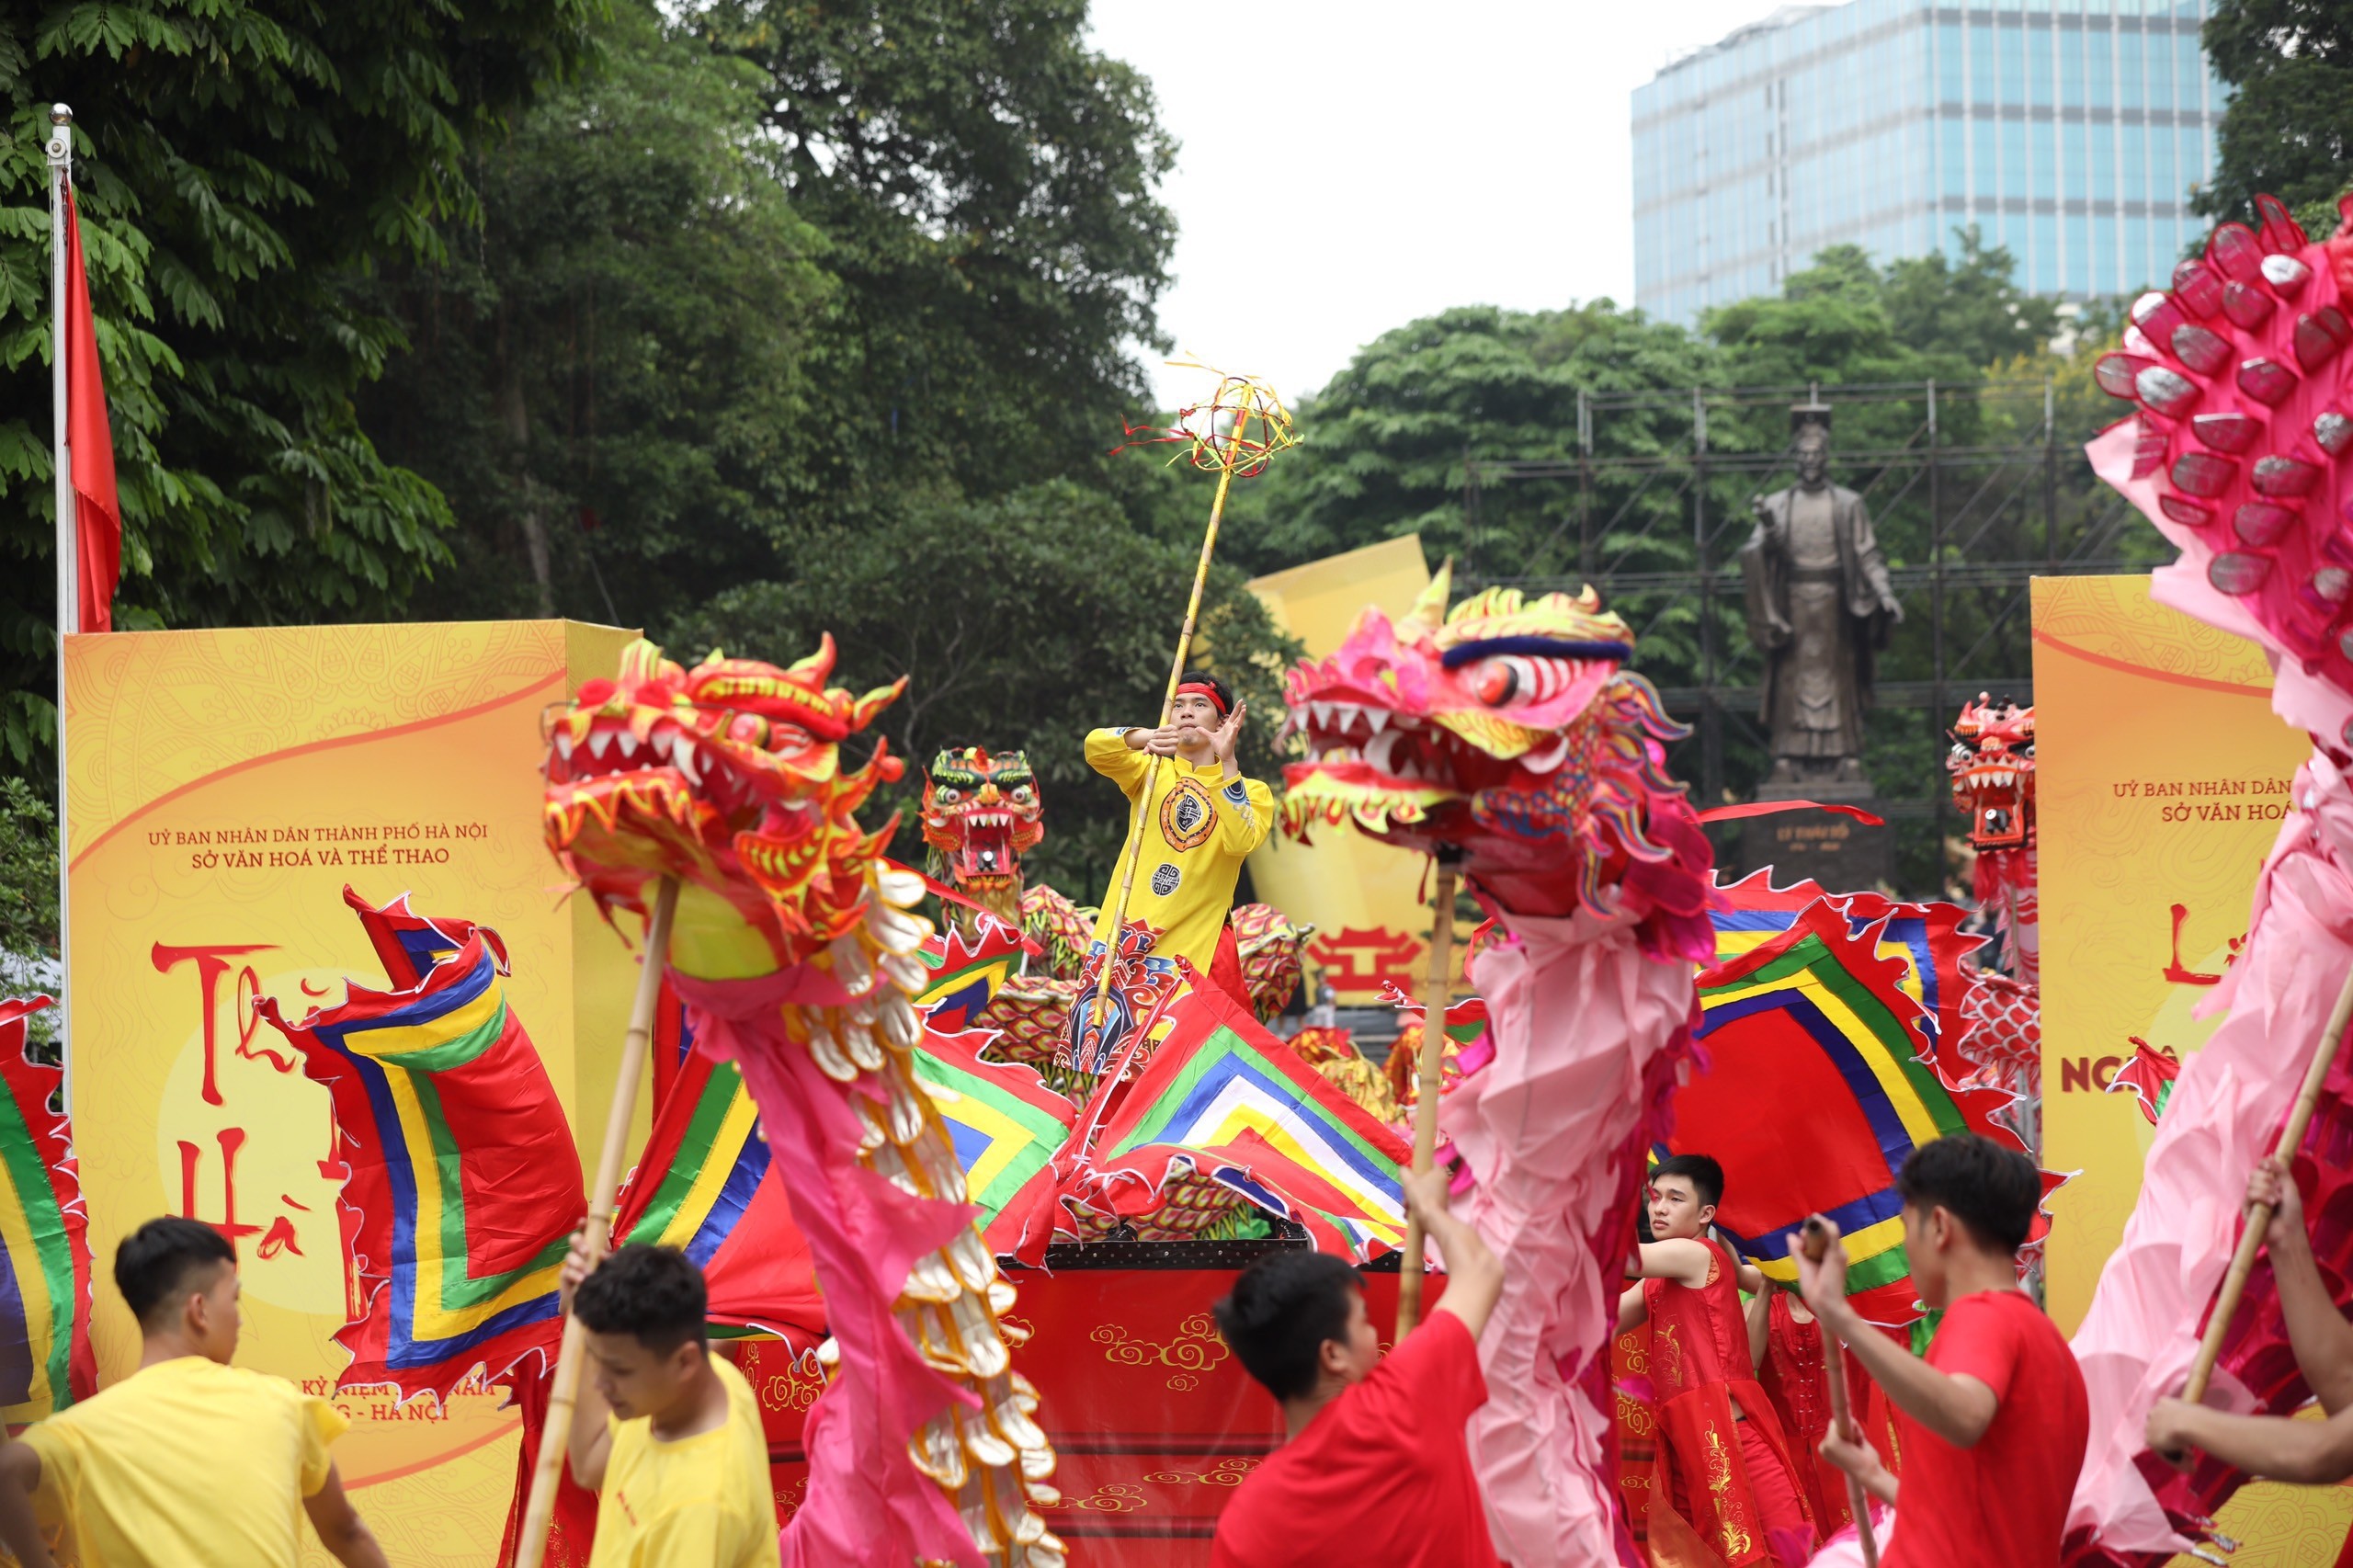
[1202, 689]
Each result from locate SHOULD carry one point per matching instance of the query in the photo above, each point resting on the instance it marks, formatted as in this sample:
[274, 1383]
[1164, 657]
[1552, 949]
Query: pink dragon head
[1509, 728]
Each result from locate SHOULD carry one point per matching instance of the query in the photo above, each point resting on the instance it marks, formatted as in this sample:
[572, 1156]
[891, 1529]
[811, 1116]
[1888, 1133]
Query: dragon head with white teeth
[1509, 728]
[980, 814]
[727, 776]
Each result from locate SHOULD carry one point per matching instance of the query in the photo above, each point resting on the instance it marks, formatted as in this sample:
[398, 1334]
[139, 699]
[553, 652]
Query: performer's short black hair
[1706, 1177]
[1283, 1308]
[154, 1265]
[1203, 677]
[655, 1295]
[1991, 1190]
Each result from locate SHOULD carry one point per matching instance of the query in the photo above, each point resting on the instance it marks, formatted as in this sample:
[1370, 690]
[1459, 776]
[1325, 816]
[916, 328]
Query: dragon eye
[948, 797]
[1024, 794]
[1498, 682]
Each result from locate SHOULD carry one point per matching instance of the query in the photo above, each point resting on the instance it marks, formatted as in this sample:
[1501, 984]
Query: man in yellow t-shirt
[667, 1435]
[1187, 842]
[189, 1463]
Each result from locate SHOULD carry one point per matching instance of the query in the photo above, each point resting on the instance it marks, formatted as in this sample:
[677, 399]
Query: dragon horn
[862, 712]
[1429, 610]
[819, 662]
[641, 662]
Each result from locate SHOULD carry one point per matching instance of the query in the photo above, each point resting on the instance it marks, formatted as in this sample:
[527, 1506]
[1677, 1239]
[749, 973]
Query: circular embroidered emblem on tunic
[1186, 817]
[1164, 879]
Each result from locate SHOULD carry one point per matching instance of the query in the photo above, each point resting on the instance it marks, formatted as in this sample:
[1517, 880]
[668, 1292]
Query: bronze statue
[1820, 606]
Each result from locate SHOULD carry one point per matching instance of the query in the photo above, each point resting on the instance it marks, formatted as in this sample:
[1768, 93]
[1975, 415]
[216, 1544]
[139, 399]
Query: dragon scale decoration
[1509, 730]
[794, 950]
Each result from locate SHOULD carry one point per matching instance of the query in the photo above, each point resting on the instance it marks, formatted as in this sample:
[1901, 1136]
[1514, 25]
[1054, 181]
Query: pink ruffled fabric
[2136, 1344]
[868, 1505]
[1587, 1032]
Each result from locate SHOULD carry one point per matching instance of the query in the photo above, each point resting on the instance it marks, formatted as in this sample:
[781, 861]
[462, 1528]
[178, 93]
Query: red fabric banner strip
[98, 516]
[1769, 808]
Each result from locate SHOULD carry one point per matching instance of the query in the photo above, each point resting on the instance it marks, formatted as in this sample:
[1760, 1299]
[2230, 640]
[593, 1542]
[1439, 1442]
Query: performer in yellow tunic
[1188, 844]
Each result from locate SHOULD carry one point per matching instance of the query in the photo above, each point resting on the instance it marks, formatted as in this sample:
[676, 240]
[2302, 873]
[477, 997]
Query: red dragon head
[980, 814]
[1992, 764]
[728, 776]
[1509, 728]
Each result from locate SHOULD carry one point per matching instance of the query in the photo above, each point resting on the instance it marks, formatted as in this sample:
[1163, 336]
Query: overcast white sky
[1350, 165]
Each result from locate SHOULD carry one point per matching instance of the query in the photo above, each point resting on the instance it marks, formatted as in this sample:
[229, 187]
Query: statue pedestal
[1843, 855]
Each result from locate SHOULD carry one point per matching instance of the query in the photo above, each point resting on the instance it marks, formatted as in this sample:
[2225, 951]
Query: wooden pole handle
[1437, 988]
[2258, 1217]
[555, 1435]
[1101, 1004]
[1816, 1240]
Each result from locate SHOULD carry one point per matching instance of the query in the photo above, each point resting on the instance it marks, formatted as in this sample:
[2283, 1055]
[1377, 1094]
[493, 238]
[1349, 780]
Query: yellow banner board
[2162, 778]
[1367, 900]
[223, 788]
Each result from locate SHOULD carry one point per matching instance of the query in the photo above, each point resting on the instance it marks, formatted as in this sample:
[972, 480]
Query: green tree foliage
[610, 377]
[1014, 637]
[986, 187]
[240, 163]
[1387, 438]
[2288, 130]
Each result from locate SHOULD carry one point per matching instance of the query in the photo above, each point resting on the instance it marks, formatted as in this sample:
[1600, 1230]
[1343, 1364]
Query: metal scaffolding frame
[1953, 516]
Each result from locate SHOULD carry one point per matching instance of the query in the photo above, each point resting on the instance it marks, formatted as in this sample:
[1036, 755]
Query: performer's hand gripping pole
[555, 1437]
[1816, 1240]
[1436, 990]
[1232, 454]
[2258, 1216]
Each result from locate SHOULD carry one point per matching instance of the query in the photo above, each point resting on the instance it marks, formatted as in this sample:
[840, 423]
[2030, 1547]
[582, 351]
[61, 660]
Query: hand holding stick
[1437, 990]
[2258, 1217]
[1816, 1241]
[555, 1435]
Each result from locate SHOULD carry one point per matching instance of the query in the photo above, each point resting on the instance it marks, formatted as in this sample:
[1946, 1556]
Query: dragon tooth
[598, 740]
[627, 741]
[1323, 713]
[684, 759]
[1378, 717]
[563, 745]
[1381, 750]
[1548, 759]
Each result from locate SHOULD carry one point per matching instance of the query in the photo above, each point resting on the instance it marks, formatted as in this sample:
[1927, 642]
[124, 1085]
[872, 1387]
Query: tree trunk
[515, 415]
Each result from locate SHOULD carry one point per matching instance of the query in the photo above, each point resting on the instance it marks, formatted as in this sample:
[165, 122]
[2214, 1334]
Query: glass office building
[2072, 132]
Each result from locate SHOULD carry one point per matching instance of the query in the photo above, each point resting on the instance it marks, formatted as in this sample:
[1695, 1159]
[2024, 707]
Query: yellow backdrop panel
[1366, 900]
[2163, 778]
[223, 786]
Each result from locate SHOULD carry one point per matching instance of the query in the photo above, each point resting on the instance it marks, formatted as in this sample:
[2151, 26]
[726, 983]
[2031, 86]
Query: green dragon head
[727, 776]
[1509, 729]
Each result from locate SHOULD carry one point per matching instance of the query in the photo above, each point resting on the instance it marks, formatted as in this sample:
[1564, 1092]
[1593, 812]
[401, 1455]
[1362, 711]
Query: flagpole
[69, 601]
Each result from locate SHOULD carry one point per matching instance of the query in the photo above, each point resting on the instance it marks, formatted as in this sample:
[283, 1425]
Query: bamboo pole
[556, 1435]
[1834, 1366]
[2258, 1216]
[1437, 990]
[1102, 1002]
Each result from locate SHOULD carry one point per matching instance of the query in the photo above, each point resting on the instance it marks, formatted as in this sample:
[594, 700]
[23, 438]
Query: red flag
[98, 547]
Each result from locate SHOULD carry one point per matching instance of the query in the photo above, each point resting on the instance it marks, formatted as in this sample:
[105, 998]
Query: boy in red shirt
[1994, 1420]
[1375, 1472]
[1724, 1468]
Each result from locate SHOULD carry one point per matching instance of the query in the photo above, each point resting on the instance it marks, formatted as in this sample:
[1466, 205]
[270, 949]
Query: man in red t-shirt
[1724, 1479]
[1994, 1421]
[1375, 1472]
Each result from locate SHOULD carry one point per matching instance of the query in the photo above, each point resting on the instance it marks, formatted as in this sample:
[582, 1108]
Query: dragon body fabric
[793, 953]
[1509, 731]
[2242, 454]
